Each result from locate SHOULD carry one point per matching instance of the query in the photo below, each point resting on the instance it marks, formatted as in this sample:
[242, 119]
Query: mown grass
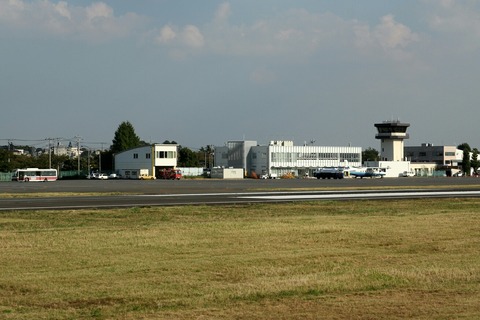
[338, 260]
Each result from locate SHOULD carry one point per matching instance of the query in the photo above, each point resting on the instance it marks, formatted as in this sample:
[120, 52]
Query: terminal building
[283, 157]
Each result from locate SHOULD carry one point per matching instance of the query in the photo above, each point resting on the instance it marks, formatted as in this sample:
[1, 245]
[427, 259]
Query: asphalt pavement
[193, 186]
[78, 194]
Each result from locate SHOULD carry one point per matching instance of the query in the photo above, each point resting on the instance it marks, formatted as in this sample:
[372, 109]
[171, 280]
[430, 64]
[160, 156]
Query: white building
[391, 135]
[149, 160]
[281, 157]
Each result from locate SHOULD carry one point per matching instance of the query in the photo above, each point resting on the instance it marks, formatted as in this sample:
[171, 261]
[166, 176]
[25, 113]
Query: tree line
[125, 138]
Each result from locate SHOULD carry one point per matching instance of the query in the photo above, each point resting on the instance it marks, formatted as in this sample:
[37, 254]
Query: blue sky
[204, 72]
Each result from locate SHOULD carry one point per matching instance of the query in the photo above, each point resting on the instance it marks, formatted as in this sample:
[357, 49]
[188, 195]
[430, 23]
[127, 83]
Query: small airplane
[368, 173]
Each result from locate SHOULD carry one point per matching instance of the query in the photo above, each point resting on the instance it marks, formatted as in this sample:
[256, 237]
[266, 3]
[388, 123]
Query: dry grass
[336, 260]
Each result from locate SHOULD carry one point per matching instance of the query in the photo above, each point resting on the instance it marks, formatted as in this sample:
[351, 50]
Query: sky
[206, 72]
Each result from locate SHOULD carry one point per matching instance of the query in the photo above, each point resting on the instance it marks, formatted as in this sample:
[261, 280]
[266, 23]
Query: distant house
[149, 160]
[18, 152]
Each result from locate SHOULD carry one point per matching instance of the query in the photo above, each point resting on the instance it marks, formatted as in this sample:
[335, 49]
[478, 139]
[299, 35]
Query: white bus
[34, 174]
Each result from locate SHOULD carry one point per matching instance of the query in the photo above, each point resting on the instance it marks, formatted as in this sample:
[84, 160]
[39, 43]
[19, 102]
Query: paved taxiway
[128, 193]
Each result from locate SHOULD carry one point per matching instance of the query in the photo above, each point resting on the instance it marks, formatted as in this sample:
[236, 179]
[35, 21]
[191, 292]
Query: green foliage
[125, 138]
[187, 158]
[466, 165]
[370, 154]
[208, 155]
[464, 146]
[475, 162]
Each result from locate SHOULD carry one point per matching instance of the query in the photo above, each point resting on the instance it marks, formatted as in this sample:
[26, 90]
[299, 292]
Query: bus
[34, 174]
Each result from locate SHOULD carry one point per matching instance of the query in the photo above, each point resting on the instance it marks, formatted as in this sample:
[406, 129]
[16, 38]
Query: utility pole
[100, 158]
[49, 152]
[78, 153]
[88, 164]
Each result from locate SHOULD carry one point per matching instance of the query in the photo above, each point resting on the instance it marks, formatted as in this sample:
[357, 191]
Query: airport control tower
[392, 134]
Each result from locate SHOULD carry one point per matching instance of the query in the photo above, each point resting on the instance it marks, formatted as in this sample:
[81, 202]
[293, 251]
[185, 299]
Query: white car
[101, 176]
[269, 176]
[408, 174]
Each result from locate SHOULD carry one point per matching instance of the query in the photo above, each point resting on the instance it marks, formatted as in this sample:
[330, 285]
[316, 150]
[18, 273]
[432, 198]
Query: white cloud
[98, 10]
[293, 34]
[391, 34]
[455, 25]
[223, 12]
[455, 17]
[167, 34]
[62, 9]
[94, 22]
[192, 37]
[180, 42]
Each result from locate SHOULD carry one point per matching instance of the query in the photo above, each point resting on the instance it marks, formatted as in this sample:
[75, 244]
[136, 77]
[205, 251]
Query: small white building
[227, 173]
[149, 160]
[392, 169]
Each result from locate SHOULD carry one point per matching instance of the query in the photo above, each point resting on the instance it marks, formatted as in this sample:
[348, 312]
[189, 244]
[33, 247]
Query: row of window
[159, 155]
[436, 154]
[292, 157]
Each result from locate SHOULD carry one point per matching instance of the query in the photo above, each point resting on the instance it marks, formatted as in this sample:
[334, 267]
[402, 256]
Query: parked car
[146, 177]
[269, 176]
[408, 174]
[114, 176]
[458, 174]
[101, 176]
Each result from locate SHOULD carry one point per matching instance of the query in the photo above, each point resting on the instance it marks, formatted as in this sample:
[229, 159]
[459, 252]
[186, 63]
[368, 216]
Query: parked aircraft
[368, 173]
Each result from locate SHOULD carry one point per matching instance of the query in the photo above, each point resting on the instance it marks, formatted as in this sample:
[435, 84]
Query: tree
[475, 162]
[370, 154]
[5, 160]
[464, 146]
[125, 138]
[466, 165]
[209, 154]
[187, 158]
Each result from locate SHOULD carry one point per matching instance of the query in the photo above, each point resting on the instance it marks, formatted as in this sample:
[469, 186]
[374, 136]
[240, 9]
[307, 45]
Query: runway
[125, 193]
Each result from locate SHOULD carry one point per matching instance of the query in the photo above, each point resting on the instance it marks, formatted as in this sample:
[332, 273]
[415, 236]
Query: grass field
[319, 260]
